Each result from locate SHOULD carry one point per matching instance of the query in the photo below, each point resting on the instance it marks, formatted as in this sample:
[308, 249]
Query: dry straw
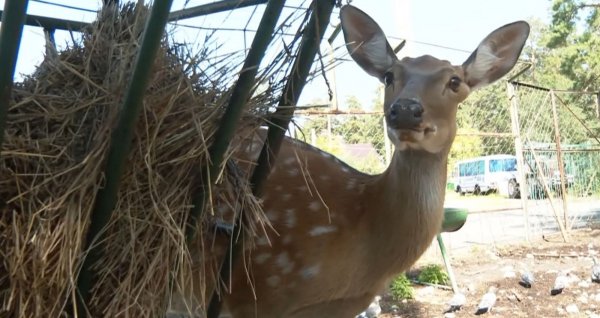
[51, 165]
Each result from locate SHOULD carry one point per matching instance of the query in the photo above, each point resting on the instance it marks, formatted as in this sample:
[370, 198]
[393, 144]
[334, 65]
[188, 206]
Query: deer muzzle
[405, 114]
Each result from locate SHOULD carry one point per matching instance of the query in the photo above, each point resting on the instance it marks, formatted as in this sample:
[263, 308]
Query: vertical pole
[241, 93]
[598, 105]
[521, 175]
[11, 30]
[447, 263]
[334, 99]
[120, 144]
[387, 144]
[559, 158]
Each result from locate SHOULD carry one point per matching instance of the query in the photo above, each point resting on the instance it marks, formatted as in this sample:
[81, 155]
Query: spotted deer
[339, 235]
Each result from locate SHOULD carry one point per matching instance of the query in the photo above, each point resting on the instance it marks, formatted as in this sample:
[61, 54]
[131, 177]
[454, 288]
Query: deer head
[422, 94]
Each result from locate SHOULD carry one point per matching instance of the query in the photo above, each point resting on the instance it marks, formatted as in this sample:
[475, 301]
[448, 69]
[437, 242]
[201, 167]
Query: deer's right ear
[366, 42]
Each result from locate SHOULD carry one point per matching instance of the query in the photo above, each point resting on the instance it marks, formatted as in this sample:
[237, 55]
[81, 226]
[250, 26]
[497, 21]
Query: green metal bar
[261, 40]
[215, 7]
[283, 115]
[211, 8]
[50, 23]
[120, 145]
[311, 40]
[10, 40]
[447, 263]
[239, 97]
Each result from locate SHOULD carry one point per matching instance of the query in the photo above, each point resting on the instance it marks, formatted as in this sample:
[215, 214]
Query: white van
[495, 173]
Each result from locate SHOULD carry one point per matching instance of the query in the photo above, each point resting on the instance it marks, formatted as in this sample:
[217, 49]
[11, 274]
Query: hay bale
[52, 161]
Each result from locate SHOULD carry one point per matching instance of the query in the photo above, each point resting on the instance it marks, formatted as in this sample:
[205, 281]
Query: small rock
[449, 315]
[583, 299]
[597, 297]
[572, 309]
[529, 255]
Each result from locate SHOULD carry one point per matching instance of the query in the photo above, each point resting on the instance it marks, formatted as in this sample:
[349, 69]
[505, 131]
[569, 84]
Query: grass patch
[433, 274]
[401, 288]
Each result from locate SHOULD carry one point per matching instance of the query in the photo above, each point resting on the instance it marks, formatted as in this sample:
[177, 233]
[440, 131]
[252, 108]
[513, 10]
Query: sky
[445, 29]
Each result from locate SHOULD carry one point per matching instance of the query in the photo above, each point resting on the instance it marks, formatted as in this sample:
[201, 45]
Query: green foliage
[433, 274]
[401, 288]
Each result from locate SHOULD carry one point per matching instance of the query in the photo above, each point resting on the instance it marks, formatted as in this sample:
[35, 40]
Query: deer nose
[405, 114]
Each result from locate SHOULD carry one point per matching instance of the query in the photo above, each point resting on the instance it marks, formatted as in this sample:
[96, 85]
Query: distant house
[361, 152]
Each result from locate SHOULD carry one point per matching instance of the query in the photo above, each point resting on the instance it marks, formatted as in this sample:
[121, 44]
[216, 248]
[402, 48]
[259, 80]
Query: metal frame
[309, 46]
[13, 20]
[10, 40]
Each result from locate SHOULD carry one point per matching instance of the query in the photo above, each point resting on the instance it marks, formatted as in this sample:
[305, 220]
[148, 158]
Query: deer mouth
[416, 134]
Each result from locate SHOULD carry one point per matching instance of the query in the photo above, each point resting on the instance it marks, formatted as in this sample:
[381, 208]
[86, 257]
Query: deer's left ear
[496, 55]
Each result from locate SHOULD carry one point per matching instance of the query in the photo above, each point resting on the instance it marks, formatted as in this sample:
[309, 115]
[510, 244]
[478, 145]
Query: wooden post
[561, 166]
[522, 178]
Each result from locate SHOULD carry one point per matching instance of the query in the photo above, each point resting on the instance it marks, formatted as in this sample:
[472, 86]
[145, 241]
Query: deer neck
[409, 197]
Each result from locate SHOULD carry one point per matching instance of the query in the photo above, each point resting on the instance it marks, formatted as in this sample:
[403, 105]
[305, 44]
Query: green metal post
[120, 144]
[239, 98]
[311, 41]
[10, 40]
[447, 263]
[229, 121]
[309, 46]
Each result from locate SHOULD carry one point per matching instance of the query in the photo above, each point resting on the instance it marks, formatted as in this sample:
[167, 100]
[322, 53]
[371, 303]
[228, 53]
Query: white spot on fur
[286, 196]
[273, 280]
[289, 160]
[345, 169]
[284, 263]
[293, 172]
[310, 271]
[278, 187]
[351, 184]
[287, 239]
[290, 215]
[314, 206]
[261, 258]
[325, 177]
[323, 229]
[303, 188]
[262, 241]
[272, 215]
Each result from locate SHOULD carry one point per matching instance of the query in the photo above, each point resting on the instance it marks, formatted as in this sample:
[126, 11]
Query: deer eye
[454, 83]
[388, 78]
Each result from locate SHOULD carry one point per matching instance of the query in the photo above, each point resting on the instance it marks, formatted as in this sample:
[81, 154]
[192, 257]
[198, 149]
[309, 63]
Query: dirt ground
[479, 268]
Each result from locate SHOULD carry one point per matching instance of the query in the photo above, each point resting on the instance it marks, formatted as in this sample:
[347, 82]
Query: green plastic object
[454, 219]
